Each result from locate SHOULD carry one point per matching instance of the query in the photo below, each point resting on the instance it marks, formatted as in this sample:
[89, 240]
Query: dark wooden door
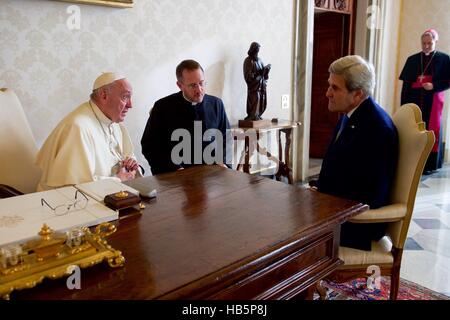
[332, 40]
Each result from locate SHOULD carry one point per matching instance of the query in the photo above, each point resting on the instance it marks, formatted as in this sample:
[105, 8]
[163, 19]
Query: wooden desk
[251, 137]
[214, 233]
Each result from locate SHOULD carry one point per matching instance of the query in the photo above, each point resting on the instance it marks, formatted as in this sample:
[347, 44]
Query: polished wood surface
[214, 233]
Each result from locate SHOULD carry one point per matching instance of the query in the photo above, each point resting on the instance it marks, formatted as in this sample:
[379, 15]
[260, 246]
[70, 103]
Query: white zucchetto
[106, 78]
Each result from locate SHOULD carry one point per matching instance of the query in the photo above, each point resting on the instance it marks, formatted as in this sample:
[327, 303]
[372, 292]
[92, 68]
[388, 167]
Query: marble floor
[426, 257]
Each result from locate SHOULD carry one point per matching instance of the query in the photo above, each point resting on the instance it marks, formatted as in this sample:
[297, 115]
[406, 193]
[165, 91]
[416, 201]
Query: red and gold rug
[357, 290]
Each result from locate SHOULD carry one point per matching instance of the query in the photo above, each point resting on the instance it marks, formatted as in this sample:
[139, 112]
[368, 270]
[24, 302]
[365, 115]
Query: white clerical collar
[349, 114]
[429, 53]
[100, 115]
[191, 102]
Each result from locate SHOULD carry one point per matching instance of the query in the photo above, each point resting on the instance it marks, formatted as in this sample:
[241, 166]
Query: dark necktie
[344, 120]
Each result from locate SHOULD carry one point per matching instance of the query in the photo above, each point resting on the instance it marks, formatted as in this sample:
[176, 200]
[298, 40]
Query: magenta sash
[435, 117]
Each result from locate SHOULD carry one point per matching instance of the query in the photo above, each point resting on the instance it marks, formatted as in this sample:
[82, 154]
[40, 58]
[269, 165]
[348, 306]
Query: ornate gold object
[109, 3]
[121, 194]
[52, 255]
[141, 206]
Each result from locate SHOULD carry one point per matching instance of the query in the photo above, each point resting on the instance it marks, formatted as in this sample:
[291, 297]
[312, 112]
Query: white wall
[52, 68]
[387, 69]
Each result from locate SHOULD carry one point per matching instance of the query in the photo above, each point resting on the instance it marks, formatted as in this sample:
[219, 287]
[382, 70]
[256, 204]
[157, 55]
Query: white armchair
[18, 147]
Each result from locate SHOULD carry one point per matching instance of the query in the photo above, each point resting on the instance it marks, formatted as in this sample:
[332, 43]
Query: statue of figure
[256, 75]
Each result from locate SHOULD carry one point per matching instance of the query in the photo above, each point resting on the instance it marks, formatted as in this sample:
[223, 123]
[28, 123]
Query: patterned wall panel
[52, 68]
[417, 16]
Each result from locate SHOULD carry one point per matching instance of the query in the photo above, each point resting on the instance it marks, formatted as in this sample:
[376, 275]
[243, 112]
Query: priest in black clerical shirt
[191, 114]
[426, 75]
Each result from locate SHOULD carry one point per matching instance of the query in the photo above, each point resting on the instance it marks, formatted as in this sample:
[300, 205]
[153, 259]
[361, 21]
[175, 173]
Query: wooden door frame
[302, 70]
[302, 74]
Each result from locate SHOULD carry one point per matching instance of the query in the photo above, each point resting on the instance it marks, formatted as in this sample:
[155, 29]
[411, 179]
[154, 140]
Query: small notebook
[22, 217]
[144, 186]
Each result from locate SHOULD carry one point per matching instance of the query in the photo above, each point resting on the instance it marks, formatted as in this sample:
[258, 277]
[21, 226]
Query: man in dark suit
[426, 77]
[361, 158]
[191, 116]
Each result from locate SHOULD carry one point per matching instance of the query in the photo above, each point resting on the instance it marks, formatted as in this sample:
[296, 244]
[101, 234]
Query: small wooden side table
[252, 136]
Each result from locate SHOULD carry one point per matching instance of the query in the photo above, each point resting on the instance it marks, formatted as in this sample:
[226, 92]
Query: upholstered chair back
[17, 145]
[415, 144]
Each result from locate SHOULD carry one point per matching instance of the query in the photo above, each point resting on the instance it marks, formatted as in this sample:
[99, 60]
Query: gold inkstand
[53, 255]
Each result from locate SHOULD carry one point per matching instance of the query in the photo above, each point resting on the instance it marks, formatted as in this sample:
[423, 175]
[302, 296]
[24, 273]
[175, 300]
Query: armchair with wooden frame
[18, 173]
[415, 144]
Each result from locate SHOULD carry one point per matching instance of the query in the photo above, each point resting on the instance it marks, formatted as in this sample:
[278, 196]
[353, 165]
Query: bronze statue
[256, 75]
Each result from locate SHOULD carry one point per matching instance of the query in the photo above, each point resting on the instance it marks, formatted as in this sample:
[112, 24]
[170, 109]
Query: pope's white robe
[78, 150]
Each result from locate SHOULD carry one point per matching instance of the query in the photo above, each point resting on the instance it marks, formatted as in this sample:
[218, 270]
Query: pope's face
[193, 85]
[118, 101]
[428, 44]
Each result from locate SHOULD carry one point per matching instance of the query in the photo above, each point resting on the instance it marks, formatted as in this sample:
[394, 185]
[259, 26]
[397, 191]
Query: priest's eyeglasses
[79, 203]
[194, 86]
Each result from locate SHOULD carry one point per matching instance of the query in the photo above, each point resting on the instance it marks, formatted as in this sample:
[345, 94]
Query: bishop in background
[426, 76]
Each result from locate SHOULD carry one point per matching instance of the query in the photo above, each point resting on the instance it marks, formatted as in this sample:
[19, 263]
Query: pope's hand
[125, 175]
[130, 164]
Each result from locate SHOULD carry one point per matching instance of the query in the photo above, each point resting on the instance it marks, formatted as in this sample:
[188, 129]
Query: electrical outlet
[285, 101]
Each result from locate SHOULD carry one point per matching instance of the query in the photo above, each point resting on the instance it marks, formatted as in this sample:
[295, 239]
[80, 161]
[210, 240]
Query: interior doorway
[333, 38]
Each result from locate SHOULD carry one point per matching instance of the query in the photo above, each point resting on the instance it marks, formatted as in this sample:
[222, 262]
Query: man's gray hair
[357, 73]
[95, 93]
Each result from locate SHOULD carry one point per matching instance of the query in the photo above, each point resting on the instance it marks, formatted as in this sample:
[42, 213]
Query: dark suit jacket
[174, 112]
[361, 164]
[440, 70]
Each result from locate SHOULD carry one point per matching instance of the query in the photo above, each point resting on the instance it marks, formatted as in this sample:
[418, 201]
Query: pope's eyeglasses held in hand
[71, 205]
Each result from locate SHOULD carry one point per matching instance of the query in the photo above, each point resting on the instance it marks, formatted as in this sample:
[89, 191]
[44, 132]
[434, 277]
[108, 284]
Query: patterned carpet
[357, 290]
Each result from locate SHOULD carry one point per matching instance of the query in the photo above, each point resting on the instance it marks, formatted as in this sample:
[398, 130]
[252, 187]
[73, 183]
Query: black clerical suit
[175, 112]
[437, 66]
[360, 165]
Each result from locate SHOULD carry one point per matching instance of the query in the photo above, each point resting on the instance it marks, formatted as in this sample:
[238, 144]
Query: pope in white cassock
[91, 142]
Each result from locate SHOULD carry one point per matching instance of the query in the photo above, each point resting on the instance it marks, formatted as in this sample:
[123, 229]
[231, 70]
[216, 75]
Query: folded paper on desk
[101, 188]
[21, 217]
[144, 187]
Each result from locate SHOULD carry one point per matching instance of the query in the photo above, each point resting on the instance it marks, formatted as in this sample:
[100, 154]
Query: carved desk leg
[251, 144]
[241, 159]
[280, 146]
[284, 169]
[287, 156]
[310, 292]
[280, 170]
[247, 155]
[321, 290]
